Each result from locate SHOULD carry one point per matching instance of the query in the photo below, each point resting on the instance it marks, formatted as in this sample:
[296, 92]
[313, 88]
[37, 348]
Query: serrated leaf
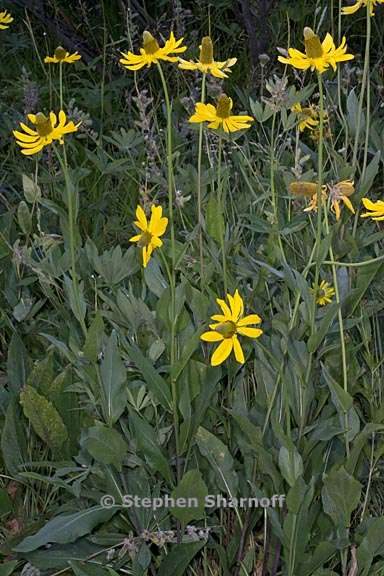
[46, 421]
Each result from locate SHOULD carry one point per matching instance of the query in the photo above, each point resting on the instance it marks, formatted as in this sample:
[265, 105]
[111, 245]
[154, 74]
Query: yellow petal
[250, 332]
[239, 355]
[211, 337]
[222, 352]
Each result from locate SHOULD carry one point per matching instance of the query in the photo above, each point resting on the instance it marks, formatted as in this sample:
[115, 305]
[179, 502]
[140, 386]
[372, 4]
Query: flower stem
[341, 330]
[221, 214]
[273, 188]
[71, 228]
[61, 84]
[199, 208]
[170, 178]
[364, 84]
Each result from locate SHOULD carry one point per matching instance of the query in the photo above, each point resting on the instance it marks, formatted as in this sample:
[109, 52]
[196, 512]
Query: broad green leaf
[220, 459]
[8, 568]
[178, 559]
[24, 218]
[316, 339]
[5, 502]
[17, 363]
[105, 445]
[45, 420]
[113, 378]
[94, 338]
[191, 486]
[76, 298]
[32, 191]
[340, 495]
[148, 444]
[155, 383]
[13, 439]
[322, 554]
[66, 528]
[90, 569]
[214, 219]
[371, 546]
[290, 464]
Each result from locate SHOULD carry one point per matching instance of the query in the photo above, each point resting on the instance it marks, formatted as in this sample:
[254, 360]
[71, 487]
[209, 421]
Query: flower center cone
[226, 329]
[313, 47]
[206, 51]
[43, 124]
[224, 106]
[150, 44]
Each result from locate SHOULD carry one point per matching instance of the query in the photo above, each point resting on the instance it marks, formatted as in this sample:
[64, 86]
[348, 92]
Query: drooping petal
[222, 352]
[239, 354]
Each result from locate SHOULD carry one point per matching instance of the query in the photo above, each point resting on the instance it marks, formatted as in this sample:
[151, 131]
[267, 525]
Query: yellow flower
[307, 116]
[206, 62]
[340, 192]
[324, 293]
[5, 19]
[47, 130]
[318, 55]
[149, 239]
[220, 116]
[308, 190]
[359, 4]
[61, 55]
[151, 52]
[228, 326]
[376, 209]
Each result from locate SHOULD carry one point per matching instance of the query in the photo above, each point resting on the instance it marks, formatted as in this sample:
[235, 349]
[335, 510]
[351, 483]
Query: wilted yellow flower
[376, 209]
[308, 190]
[149, 239]
[318, 55]
[61, 55]
[339, 193]
[324, 293]
[151, 52]
[220, 115]
[206, 62]
[307, 116]
[359, 4]
[5, 19]
[47, 130]
[228, 326]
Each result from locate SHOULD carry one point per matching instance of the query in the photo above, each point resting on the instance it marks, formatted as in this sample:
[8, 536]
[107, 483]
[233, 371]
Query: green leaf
[66, 528]
[178, 559]
[5, 502]
[32, 191]
[155, 383]
[17, 363]
[322, 554]
[13, 439]
[371, 546]
[220, 459]
[316, 339]
[88, 569]
[290, 464]
[193, 486]
[113, 378]
[105, 445]
[76, 298]
[340, 495]
[214, 219]
[45, 420]
[94, 339]
[7, 568]
[24, 218]
[148, 444]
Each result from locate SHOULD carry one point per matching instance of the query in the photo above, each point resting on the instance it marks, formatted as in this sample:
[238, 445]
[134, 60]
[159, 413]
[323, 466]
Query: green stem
[199, 208]
[363, 87]
[170, 178]
[273, 189]
[221, 213]
[71, 229]
[61, 84]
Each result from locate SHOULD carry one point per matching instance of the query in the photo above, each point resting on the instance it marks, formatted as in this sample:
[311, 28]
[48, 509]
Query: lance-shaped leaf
[113, 376]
